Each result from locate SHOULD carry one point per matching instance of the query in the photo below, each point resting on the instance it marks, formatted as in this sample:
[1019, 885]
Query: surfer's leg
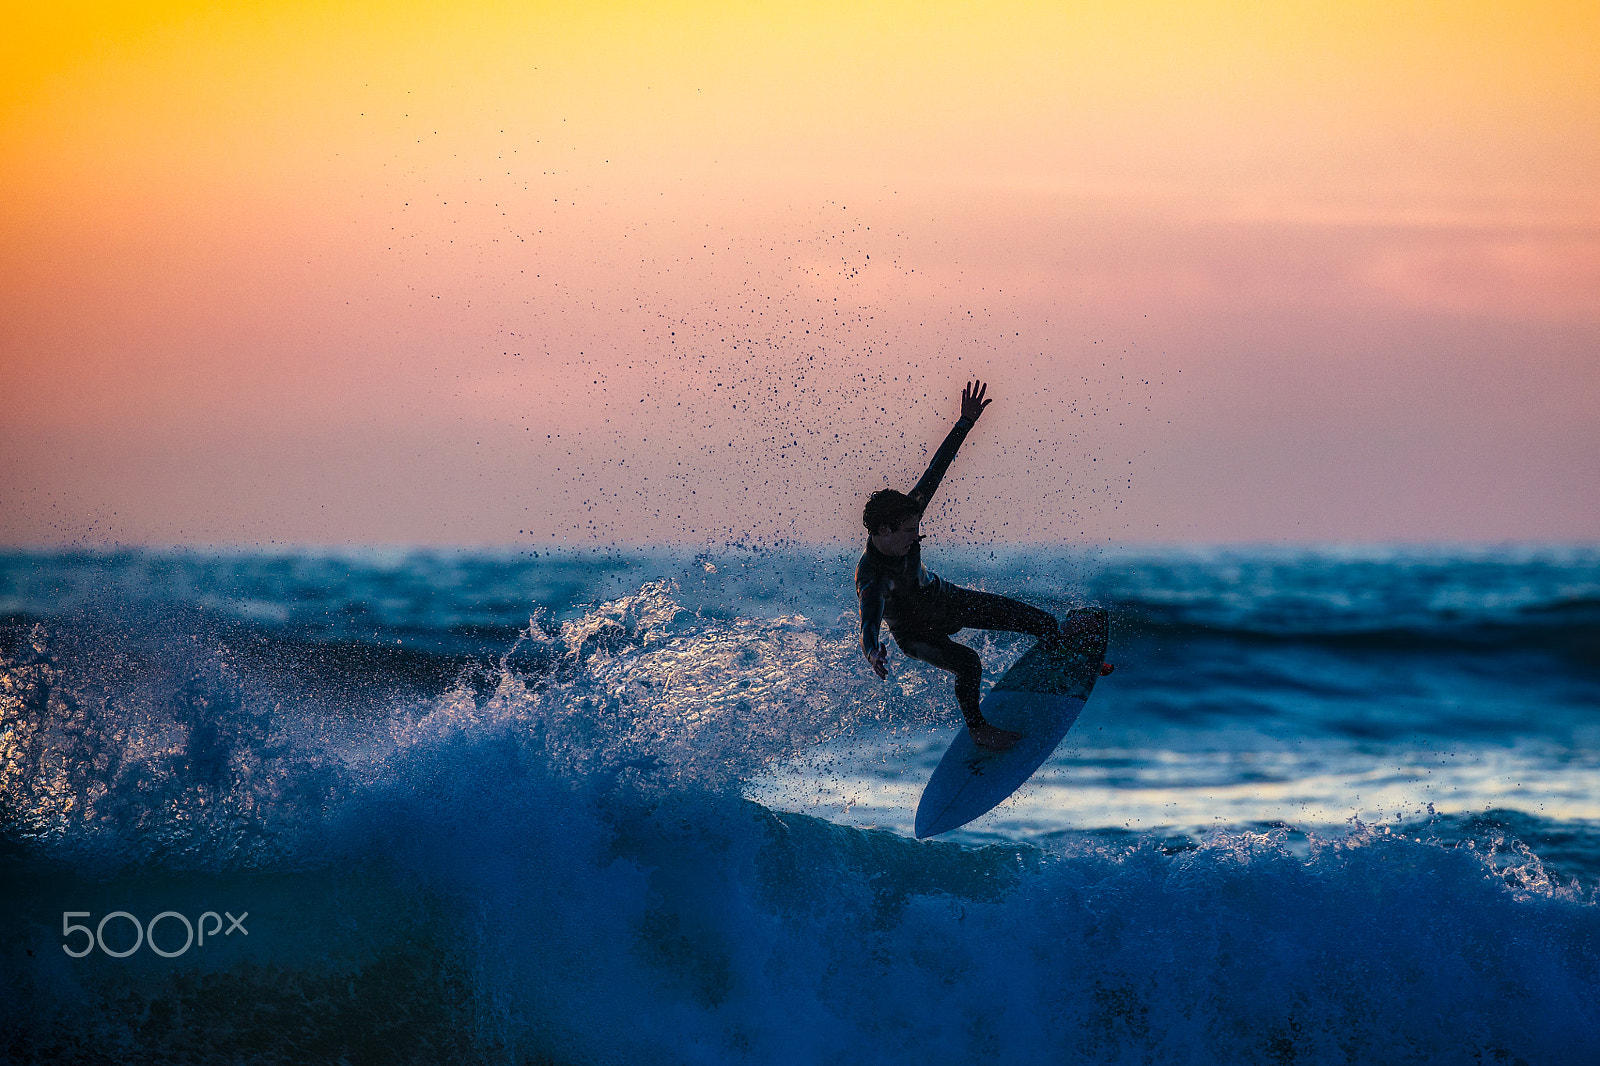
[971, 609]
[939, 650]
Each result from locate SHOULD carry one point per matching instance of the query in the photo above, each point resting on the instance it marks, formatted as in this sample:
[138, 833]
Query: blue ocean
[615, 806]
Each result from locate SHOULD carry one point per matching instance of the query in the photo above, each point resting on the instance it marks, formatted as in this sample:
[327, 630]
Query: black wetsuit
[923, 611]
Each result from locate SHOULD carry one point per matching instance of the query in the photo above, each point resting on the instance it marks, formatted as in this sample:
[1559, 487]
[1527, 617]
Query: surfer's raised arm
[972, 405]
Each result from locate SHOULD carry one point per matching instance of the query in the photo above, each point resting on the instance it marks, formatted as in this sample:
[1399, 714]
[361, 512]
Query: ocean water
[1335, 806]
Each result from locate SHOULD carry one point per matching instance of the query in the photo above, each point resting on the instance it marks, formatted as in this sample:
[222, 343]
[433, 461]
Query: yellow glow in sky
[1315, 99]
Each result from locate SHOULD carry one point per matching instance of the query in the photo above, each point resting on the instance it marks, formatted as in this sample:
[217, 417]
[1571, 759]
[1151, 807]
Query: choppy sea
[1335, 806]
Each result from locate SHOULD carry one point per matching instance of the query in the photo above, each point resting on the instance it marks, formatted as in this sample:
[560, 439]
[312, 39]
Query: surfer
[922, 610]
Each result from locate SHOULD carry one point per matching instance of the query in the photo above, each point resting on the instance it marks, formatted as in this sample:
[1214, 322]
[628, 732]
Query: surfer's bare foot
[1106, 668]
[992, 737]
[1074, 625]
[1078, 623]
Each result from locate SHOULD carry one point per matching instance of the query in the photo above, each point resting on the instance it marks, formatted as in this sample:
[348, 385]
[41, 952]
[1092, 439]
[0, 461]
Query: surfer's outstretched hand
[878, 657]
[972, 401]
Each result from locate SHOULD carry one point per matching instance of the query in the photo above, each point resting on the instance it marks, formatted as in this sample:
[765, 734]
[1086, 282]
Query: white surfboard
[1039, 697]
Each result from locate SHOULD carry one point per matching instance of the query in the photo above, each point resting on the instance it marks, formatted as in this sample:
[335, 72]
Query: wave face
[1334, 807]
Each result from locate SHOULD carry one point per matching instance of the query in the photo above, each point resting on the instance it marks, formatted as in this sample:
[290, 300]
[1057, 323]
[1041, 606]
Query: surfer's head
[891, 519]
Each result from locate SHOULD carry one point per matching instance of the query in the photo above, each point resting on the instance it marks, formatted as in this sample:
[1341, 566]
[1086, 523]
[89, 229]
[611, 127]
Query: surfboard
[1039, 697]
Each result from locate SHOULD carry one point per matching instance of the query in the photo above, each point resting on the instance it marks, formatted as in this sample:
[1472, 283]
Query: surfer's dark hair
[885, 508]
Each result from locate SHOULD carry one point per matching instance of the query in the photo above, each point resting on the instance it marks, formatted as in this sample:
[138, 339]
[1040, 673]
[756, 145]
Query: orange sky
[390, 273]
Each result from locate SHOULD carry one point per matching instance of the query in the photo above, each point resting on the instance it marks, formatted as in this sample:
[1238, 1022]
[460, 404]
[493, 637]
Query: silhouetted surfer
[922, 611]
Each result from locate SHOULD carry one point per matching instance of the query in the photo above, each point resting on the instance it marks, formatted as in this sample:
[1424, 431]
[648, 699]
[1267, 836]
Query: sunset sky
[404, 273]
